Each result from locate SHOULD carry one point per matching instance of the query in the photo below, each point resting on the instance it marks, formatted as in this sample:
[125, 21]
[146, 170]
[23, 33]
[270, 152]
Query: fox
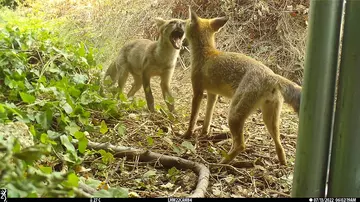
[247, 82]
[144, 58]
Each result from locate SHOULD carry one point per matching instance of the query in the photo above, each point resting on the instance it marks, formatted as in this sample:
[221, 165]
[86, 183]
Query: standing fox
[144, 59]
[249, 84]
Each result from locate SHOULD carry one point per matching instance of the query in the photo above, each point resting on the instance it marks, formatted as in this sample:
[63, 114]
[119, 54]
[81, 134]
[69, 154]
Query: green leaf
[27, 97]
[92, 182]
[82, 145]
[72, 128]
[72, 180]
[44, 118]
[80, 78]
[160, 133]
[112, 193]
[81, 50]
[173, 171]
[149, 173]
[53, 135]
[103, 127]
[121, 95]
[188, 146]
[16, 147]
[32, 195]
[46, 138]
[177, 149]
[67, 108]
[43, 138]
[47, 170]
[69, 158]
[74, 91]
[79, 135]
[119, 192]
[150, 141]
[121, 130]
[65, 141]
[32, 130]
[33, 153]
[107, 157]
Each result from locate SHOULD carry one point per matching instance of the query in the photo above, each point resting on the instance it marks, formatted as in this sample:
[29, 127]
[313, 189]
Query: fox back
[247, 82]
[143, 59]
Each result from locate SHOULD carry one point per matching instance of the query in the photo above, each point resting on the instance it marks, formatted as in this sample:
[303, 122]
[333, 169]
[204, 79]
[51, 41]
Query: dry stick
[216, 138]
[166, 160]
[177, 189]
[217, 164]
[87, 189]
[112, 173]
[279, 193]
[182, 64]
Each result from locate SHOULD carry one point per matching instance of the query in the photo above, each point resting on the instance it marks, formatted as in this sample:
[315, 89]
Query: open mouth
[175, 38]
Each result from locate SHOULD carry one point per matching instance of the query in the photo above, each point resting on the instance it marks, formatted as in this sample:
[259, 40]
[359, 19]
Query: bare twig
[167, 161]
[280, 193]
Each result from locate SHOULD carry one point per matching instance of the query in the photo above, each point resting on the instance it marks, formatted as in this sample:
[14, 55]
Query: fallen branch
[216, 138]
[279, 193]
[86, 189]
[168, 161]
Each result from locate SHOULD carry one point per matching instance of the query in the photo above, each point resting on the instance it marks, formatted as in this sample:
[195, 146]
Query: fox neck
[165, 50]
[202, 47]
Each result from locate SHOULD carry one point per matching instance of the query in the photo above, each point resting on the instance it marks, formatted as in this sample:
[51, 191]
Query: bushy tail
[113, 73]
[290, 91]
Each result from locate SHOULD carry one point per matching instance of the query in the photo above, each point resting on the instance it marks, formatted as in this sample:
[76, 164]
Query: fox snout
[177, 35]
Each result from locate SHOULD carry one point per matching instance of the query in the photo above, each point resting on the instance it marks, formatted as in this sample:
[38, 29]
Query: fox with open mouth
[143, 59]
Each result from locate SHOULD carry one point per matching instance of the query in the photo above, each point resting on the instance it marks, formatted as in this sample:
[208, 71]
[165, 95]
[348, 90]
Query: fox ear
[159, 22]
[218, 23]
[192, 16]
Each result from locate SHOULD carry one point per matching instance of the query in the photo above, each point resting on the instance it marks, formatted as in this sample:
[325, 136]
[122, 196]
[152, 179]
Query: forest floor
[273, 32]
[157, 133]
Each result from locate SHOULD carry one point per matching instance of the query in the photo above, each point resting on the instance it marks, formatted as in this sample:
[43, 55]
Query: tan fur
[143, 59]
[247, 82]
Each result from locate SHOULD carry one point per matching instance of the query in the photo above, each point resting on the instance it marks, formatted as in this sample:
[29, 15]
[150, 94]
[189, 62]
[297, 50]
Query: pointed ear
[192, 16]
[159, 22]
[218, 23]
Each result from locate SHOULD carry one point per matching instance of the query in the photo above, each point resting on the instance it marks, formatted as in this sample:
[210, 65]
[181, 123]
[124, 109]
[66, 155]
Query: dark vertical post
[317, 101]
[344, 178]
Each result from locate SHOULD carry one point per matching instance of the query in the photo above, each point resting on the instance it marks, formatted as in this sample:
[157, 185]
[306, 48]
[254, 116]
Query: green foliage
[23, 179]
[51, 85]
[173, 174]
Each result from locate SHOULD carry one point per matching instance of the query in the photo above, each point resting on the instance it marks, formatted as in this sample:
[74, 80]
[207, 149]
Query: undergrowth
[48, 83]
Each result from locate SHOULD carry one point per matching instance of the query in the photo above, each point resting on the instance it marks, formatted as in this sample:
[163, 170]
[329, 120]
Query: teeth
[178, 43]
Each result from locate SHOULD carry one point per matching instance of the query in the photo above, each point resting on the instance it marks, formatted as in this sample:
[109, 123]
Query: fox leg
[211, 100]
[271, 116]
[196, 101]
[112, 72]
[123, 76]
[166, 91]
[148, 93]
[241, 107]
[135, 86]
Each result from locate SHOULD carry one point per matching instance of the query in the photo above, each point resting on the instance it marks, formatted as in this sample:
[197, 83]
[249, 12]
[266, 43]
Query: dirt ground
[158, 133]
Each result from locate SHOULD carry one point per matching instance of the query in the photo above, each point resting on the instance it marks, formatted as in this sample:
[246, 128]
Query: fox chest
[212, 84]
[156, 68]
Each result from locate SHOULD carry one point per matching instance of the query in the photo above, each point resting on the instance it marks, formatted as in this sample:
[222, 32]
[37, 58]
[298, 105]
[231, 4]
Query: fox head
[173, 30]
[200, 31]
